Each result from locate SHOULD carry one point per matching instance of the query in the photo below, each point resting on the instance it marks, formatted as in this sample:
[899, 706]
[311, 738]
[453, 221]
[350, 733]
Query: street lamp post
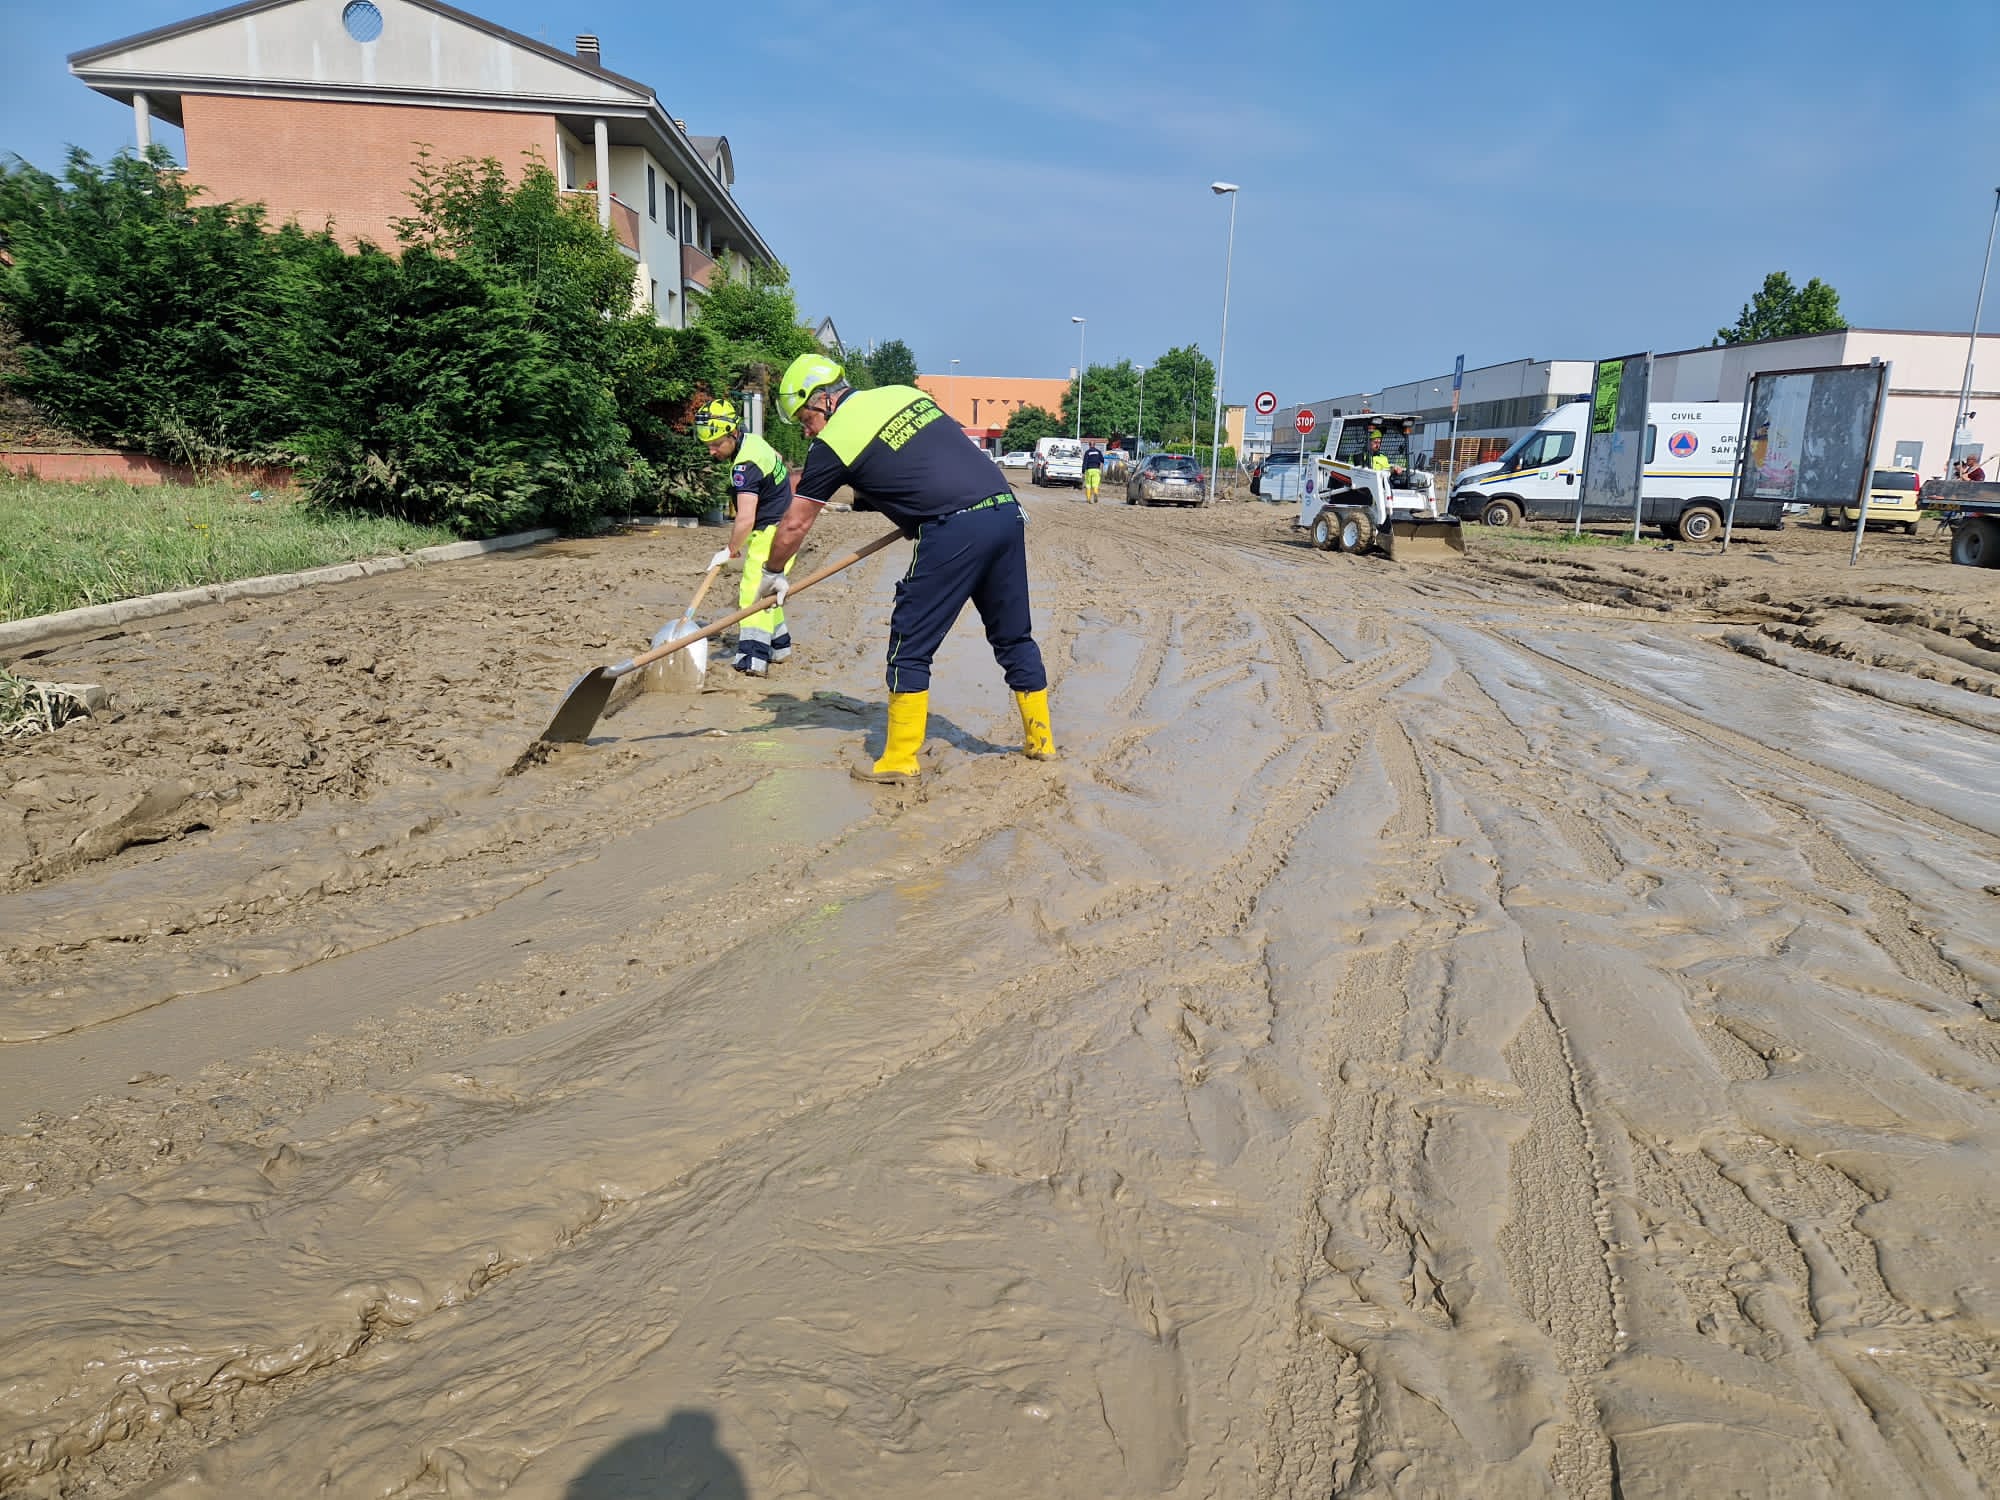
[951, 392]
[1222, 190]
[1972, 344]
[1079, 377]
[1141, 446]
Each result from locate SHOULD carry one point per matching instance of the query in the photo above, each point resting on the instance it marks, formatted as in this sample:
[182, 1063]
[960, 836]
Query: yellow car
[1893, 500]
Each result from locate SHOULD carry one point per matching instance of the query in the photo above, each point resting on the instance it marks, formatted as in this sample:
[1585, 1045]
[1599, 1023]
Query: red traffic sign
[1267, 402]
[1304, 421]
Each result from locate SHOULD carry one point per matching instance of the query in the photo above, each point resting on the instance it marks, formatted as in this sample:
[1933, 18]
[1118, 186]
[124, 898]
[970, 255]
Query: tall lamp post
[1222, 190]
[1140, 447]
[1972, 343]
[1079, 377]
[951, 393]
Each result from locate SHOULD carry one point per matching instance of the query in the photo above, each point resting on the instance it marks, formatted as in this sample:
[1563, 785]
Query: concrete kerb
[16, 634]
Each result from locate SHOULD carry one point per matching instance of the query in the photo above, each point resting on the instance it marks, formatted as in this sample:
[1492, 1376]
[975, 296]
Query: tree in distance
[1029, 426]
[893, 364]
[1781, 309]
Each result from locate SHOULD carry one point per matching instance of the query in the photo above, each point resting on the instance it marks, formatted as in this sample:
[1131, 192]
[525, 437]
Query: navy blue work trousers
[980, 555]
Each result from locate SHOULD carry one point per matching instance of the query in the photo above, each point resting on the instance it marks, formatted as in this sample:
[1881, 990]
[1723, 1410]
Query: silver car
[1165, 479]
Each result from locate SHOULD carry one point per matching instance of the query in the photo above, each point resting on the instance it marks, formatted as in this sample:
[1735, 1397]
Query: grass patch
[65, 545]
[1550, 537]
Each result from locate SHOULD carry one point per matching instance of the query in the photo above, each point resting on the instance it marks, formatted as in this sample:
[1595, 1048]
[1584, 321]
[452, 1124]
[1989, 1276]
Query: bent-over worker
[894, 446]
[762, 486]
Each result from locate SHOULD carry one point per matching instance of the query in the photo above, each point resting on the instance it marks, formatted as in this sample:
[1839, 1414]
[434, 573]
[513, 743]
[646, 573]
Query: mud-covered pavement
[1518, 1027]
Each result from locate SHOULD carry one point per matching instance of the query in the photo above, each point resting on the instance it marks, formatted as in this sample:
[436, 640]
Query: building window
[362, 20]
[652, 193]
[1909, 455]
[655, 299]
[687, 222]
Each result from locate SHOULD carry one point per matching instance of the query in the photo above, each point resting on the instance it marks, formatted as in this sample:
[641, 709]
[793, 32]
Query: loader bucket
[1425, 541]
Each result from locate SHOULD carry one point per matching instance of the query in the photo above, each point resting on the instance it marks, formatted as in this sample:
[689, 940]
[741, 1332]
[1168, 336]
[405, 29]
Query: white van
[1058, 460]
[1690, 467]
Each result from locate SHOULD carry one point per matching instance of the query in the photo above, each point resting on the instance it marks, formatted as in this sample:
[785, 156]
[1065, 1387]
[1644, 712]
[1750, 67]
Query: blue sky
[1568, 182]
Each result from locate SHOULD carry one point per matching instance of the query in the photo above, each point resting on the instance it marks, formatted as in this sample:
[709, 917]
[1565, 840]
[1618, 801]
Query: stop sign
[1304, 422]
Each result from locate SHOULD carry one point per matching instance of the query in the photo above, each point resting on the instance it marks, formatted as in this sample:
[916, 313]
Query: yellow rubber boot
[1038, 742]
[908, 713]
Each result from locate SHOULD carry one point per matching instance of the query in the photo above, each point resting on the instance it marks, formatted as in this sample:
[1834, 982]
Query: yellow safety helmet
[806, 375]
[718, 419]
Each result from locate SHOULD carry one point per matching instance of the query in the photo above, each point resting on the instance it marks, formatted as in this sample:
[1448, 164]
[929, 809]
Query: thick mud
[1521, 1026]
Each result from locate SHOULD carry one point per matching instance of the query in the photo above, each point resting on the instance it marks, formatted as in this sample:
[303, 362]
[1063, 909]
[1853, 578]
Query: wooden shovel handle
[818, 575]
[701, 593]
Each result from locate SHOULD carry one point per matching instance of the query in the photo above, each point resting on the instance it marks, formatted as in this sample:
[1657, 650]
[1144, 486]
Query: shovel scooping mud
[685, 670]
[583, 705]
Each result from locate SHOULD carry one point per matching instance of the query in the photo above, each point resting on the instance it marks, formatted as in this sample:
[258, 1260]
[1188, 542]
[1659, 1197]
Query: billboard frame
[1859, 504]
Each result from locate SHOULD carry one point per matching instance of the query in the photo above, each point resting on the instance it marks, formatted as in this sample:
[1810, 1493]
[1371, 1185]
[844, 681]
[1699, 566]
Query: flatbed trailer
[1972, 511]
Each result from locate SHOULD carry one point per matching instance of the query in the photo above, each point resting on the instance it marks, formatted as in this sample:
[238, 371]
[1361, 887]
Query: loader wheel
[1976, 543]
[1357, 531]
[1699, 523]
[1500, 513]
[1324, 535]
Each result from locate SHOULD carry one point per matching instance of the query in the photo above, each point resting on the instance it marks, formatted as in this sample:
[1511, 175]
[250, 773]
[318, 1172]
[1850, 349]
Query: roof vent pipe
[681, 126]
[588, 49]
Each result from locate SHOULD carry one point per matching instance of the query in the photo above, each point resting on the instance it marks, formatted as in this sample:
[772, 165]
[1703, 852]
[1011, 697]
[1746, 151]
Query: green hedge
[491, 374]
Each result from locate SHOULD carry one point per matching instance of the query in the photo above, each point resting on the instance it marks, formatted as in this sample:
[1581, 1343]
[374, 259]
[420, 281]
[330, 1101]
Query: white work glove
[720, 559]
[776, 586]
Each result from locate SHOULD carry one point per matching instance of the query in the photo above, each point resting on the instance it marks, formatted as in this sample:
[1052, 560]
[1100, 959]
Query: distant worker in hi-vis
[903, 457]
[762, 487]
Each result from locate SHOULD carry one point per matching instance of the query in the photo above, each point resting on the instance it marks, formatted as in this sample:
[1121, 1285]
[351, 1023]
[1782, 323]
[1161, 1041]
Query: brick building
[317, 109]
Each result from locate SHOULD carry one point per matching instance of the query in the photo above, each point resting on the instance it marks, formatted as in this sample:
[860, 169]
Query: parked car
[1021, 459]
[1894, 498]
[1165, 479]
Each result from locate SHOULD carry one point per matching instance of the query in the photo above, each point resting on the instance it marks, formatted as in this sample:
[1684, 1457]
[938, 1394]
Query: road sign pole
[1457, 380]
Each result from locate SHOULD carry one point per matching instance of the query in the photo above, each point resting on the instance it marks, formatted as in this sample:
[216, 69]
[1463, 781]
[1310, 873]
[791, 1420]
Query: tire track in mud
[1456, 1315]
[1226, 898]
[1719, 1284]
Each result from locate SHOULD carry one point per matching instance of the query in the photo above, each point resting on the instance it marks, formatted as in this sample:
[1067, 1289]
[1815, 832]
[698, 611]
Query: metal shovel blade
[581, 708]
[684, 671]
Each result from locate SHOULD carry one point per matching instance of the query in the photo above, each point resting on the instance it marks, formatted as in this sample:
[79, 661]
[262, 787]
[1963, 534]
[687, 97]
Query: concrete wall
[314, 160]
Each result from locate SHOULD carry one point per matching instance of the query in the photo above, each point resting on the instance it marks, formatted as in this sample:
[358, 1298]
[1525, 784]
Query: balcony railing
[697, 267]
[624, 219]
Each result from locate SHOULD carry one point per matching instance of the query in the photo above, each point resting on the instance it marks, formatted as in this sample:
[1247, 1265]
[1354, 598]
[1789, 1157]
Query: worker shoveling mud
[1463, 1031]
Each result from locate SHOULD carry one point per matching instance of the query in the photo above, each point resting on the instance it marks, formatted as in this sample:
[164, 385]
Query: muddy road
[1519, 1027]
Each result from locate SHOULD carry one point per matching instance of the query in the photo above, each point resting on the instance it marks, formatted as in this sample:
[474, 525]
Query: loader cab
[1350, 446]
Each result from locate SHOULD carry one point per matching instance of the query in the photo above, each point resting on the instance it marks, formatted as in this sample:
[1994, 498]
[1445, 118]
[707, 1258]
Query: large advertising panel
[1614, 455]
[1810, 438]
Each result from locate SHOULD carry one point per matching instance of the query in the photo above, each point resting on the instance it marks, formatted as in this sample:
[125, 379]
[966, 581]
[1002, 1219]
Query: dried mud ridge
[1507, 1028]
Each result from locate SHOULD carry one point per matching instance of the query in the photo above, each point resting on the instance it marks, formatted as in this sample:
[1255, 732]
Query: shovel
[580, 709]
[682, 672]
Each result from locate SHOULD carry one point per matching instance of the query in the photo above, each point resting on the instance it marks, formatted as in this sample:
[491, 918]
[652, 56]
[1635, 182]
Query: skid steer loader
[1352, 503]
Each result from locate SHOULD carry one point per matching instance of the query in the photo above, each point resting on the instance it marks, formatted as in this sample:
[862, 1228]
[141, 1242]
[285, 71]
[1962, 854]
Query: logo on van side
[1683, 444]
